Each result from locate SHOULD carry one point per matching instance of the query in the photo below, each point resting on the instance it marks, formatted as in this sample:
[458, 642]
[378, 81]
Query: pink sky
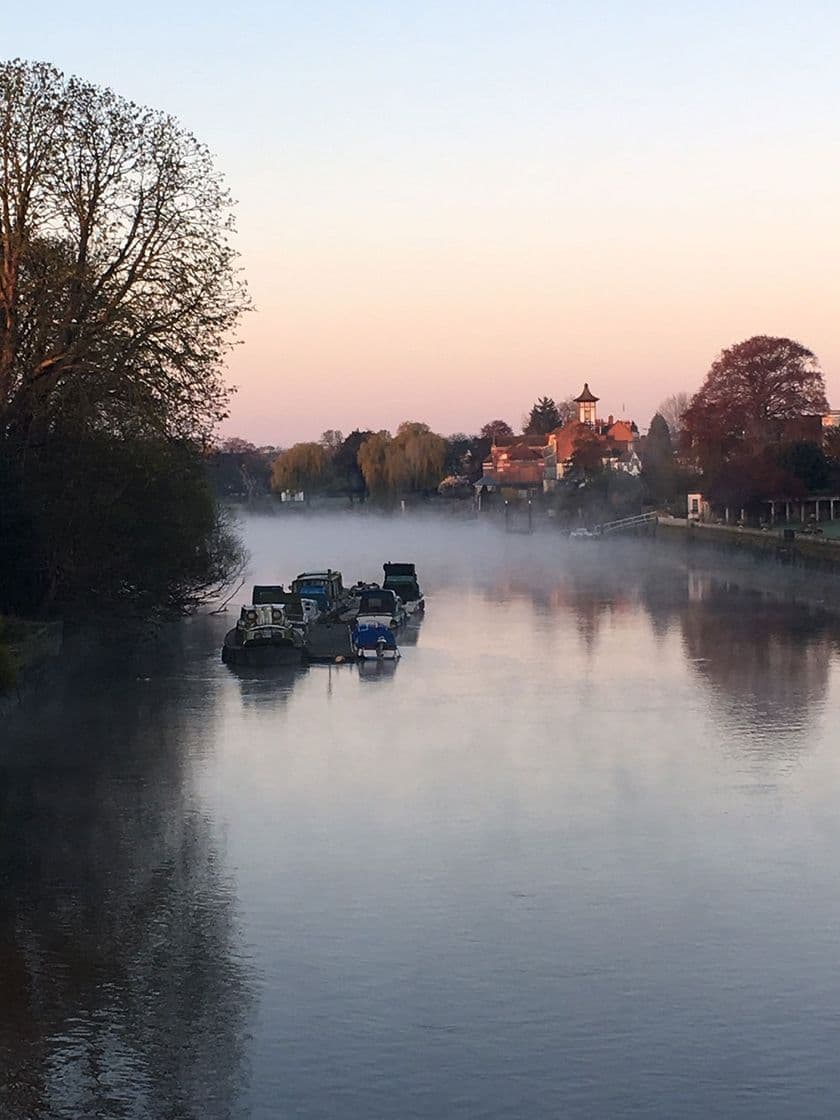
[449, 209]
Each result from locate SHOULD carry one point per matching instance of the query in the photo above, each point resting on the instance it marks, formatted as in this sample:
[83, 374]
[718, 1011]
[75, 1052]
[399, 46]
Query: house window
[695, 505]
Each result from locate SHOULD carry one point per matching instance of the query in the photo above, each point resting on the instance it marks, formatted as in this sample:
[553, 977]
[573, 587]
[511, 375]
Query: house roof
[586, 397]
[621, 431]
[510, 441]
[520, 451]
[565, 438]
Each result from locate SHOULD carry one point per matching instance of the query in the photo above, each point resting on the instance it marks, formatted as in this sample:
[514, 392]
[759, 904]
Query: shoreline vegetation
[120, 293]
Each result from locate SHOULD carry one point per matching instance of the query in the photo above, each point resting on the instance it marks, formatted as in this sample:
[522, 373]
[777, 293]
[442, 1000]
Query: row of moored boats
[318, 618]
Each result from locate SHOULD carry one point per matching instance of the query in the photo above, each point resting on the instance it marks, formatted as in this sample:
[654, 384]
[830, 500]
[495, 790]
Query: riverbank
[812, 553]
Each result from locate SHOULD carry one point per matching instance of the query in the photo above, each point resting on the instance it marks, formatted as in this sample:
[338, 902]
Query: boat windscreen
[376, 602]
[265, 594]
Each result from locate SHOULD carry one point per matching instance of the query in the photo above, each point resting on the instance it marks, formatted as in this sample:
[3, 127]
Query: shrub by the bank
[98, 525]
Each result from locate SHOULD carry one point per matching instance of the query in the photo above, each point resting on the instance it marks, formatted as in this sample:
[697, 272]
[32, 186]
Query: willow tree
[415, 458]
[372, 458]
[305, 466]
[118, 283]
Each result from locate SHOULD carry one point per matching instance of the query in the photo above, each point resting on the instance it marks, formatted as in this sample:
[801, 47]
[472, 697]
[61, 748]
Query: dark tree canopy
[118, 293]
[544, 417]
[496, 429]
[349, 478]
[658, 449]
[748, 387]
[118, 283]
[658, 459]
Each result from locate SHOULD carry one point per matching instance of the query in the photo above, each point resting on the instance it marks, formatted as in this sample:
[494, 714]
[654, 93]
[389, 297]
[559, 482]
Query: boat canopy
[402, 578]
[377, 600]
[400, 570]
[266, 593]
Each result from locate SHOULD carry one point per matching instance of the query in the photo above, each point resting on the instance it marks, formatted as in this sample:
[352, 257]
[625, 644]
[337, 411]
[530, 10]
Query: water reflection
[767, 660]
[122, 987]
[266, 684]
[410, 633]
[375, 671]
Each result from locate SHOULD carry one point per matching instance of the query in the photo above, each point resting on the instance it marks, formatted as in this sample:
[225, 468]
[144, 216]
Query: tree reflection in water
[767, 659]
[122, 989]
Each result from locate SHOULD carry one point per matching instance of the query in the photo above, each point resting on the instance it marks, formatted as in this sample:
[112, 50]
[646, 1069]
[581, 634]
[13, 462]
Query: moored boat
[374, 640]
[402, 580]
[263, 636]
[382, 606]
[324, 588]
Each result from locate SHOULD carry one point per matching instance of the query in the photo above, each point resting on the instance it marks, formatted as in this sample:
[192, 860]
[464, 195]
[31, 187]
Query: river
[575, 855]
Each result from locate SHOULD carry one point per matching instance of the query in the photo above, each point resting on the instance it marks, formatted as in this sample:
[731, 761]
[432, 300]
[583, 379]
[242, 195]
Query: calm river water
[577, 855]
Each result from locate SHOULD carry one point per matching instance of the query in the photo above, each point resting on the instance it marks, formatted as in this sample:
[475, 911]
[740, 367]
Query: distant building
[617, 439]
[515, 462]
[537, 462]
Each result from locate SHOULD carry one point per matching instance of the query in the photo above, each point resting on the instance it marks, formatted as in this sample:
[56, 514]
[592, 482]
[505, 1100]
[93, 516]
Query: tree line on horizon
[735, 438]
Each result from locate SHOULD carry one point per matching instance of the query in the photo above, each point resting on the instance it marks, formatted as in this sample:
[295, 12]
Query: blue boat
[375, 640]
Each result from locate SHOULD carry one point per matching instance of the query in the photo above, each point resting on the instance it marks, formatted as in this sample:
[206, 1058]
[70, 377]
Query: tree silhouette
[658, 459]
[748, 387]
[118, 285]
[496, 429]
[544, 417]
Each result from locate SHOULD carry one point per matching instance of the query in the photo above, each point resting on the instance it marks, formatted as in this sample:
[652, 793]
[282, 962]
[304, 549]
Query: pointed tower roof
[586, 397]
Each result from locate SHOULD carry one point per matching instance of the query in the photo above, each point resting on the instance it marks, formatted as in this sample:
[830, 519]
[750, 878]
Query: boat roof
[399, 569]
[371, 594]
[265, 593]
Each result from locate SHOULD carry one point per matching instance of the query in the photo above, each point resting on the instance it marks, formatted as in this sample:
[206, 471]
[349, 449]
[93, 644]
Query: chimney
[610, 421]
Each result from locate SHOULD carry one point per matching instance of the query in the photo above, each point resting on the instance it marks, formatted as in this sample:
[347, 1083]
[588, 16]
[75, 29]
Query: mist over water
[575, 854]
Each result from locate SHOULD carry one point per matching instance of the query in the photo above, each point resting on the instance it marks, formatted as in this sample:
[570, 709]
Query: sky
[446, 210]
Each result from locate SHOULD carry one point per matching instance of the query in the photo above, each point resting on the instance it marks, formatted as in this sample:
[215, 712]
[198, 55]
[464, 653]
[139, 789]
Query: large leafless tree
[118, 283]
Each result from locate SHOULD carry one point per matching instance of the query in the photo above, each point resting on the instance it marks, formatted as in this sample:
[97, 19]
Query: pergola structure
[820, 505]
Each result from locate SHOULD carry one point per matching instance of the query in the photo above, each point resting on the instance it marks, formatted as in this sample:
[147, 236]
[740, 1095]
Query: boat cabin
[380, 603]
[325, 588]
[402, 580]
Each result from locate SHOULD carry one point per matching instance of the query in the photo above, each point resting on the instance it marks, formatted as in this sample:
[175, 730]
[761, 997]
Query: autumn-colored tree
[543, 418]
[748, 387]
[587, 455]
[496, 429]
[305, 466]
[372, 458]
[415, 458]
